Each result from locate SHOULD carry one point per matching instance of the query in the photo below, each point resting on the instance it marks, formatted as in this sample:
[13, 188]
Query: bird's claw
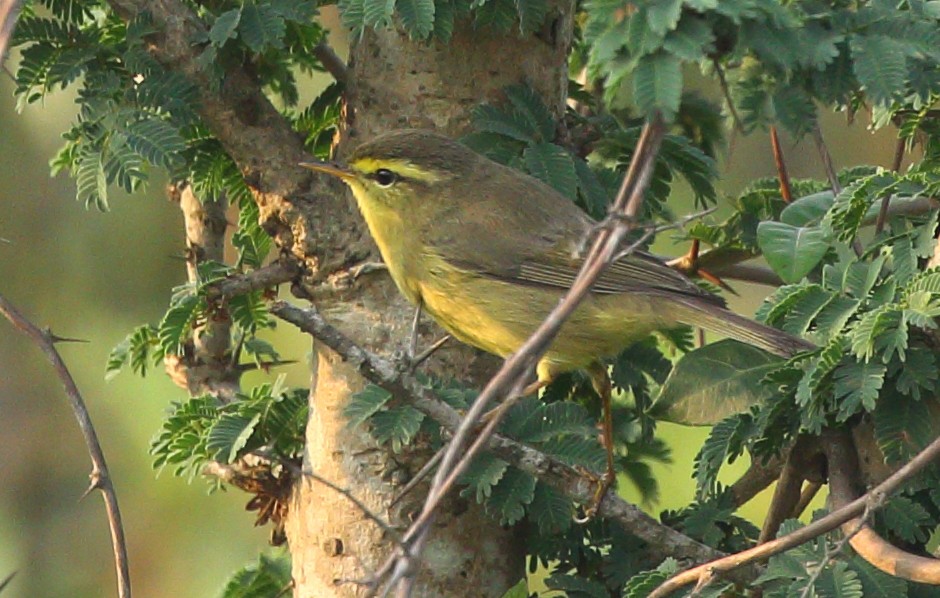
[603, 483]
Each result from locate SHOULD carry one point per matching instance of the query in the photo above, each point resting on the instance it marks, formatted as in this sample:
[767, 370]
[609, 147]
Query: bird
[488, 251]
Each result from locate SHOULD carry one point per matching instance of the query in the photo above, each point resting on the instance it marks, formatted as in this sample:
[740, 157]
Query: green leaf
[250, 311]
[527, 103]
[493, 120]
[709, 384]
[907, 519]
[807, 211]
[510, 495]
[555, 419]
[576, 587]
[663, 15]
[520, 590]
[791, 251]
[156, 140]
[856, 386]
[552, 164]
[268, 577]
[551, 510]
[642, 584]
[531, 14]
[229, 435]
[177, 324]
[880, 65]
[417, 16]
[874, 581]
[397, 426]
[484, 472]
[657, 84]
[223, 29]
[92, 187]
[903, 428]
[364, 404]
[261, 27]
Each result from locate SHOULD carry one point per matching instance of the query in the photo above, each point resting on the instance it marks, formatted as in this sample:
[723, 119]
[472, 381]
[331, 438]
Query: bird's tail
[722, 321]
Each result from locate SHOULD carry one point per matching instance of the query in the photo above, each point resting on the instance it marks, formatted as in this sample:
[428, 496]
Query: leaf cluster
[268, 419]
[784, 58]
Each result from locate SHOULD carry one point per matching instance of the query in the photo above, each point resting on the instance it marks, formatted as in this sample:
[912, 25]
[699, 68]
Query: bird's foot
[603, 484]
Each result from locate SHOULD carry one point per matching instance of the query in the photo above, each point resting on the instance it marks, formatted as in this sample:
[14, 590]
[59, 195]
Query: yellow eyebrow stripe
[401, 167]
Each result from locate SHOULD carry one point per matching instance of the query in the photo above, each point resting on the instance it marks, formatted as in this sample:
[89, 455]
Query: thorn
[63, 339]
[6, 580]
[784, 178]
[96, 483]
[716, 281]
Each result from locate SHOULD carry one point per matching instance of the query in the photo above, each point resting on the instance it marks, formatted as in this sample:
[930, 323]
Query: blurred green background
[94, 276]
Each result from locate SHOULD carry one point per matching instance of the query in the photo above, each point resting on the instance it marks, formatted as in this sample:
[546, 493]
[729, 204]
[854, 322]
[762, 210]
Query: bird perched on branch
[489, 251]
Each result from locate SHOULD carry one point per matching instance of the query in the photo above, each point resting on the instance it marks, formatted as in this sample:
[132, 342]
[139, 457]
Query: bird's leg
[601, 382]
[412, 358]
[413, 344]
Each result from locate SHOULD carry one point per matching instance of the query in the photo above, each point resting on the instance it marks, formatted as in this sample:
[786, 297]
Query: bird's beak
[329, 168]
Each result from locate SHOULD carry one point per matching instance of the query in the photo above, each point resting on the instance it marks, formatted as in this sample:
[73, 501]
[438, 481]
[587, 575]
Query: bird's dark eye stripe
[384, 177]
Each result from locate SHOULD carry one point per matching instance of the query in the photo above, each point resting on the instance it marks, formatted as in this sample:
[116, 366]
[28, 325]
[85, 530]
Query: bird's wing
[539, 246]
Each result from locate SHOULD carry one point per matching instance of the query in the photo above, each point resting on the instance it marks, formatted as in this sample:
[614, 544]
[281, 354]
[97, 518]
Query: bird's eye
[385, 177]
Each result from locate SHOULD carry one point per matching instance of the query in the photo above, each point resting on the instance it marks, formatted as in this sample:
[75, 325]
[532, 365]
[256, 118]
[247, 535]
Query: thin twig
[100, 478]
[726, 91]
[331, 61]
[886, 200]
[9, 11]
[826, 158]
[817, 528]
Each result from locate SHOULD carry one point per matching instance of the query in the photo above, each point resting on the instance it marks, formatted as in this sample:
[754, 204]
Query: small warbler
[488, 251]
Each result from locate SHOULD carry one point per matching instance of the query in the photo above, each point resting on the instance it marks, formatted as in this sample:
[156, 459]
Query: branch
[273, 274]
[836, 518]
[663, 540]
[9, 11]
[826, 158]
[100, 478]
[757, 477]
[886, 200]
[333, 64]
[843, 468]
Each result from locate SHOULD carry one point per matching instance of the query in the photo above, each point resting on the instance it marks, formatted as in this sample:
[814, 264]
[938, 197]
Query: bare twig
[9, 11]
[843, 468]
[826, 158]
[100, 478]
[331, 61]
[838, 517]
[886, 200]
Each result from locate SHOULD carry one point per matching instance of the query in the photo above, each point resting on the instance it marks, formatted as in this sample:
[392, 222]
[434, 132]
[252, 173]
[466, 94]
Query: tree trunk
[395, 83]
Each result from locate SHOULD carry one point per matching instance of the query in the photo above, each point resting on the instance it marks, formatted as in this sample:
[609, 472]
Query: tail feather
[722, 321]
